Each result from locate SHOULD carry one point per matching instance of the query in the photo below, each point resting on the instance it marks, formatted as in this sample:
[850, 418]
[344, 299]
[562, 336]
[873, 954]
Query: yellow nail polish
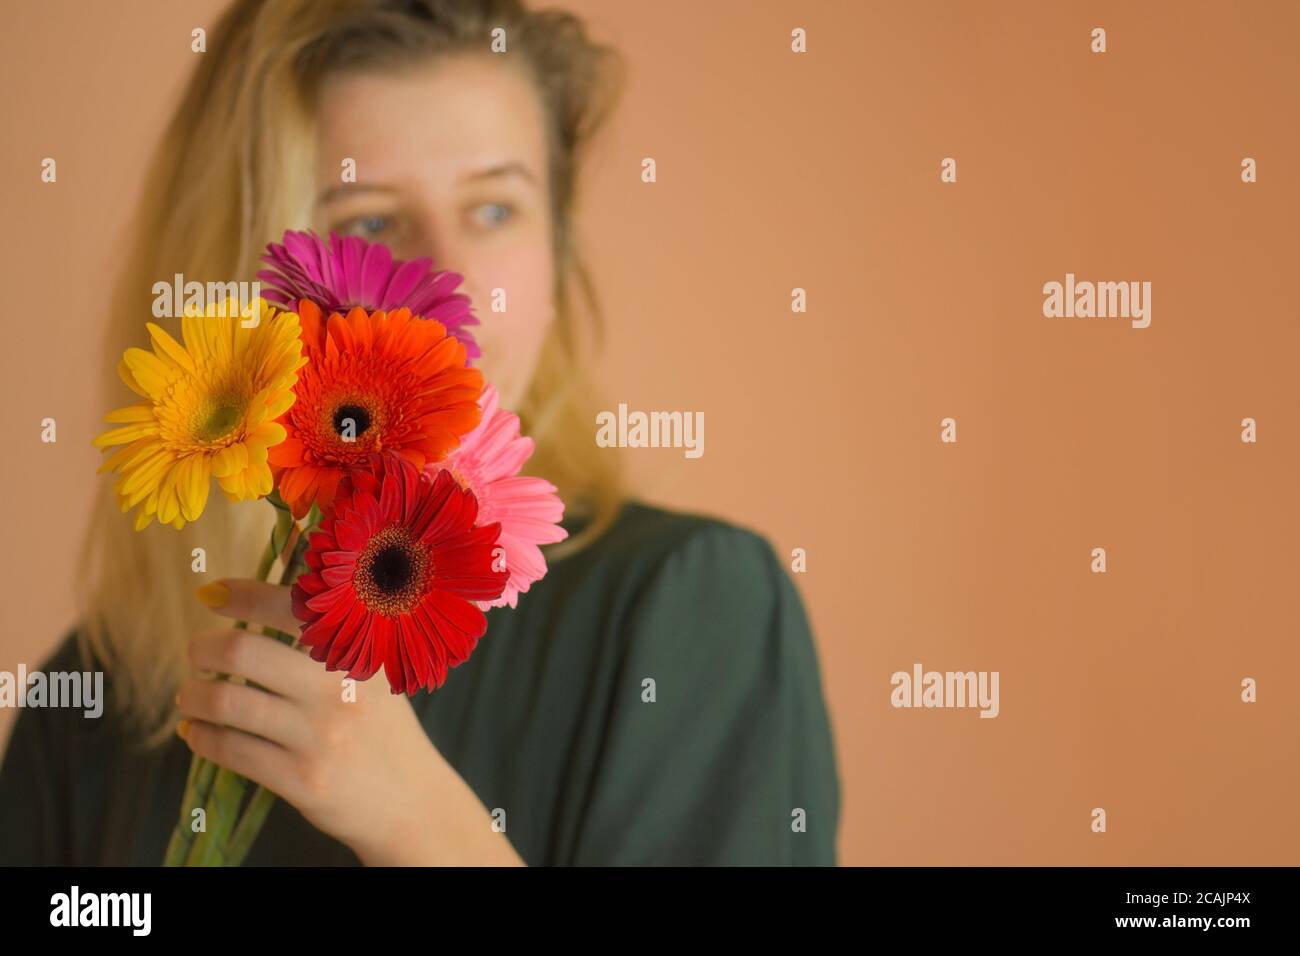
[214, 595]
[183, 729]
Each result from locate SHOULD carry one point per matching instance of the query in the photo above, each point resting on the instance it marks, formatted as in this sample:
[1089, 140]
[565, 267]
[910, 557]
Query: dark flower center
[391, 569]
[358, 416]
[392, 572]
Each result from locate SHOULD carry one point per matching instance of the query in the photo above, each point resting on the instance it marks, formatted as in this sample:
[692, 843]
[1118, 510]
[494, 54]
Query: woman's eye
[492, 214]
[366, 226]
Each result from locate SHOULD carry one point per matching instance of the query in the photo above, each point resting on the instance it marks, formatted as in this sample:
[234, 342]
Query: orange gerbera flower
[374, 381]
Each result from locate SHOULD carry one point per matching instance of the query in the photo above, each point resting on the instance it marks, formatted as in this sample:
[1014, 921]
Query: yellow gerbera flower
[210, 410]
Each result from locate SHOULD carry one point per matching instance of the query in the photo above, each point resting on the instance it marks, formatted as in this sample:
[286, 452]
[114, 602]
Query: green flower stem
[222, 810]
[182, 835]
[250, 824]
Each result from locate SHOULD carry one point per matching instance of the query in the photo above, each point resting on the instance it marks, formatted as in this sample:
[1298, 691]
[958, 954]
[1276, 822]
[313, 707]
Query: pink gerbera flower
[349, 272]
[487, 463]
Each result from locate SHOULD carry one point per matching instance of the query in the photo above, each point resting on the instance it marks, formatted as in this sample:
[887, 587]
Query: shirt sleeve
[727, 758]
[34, 784]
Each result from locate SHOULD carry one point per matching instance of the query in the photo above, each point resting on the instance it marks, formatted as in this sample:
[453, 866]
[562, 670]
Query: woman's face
[451, 163]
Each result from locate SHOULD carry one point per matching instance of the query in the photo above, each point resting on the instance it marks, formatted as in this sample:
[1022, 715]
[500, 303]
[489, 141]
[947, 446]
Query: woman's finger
[244, 708]
[259, 760]
[257, 658]
[254, 601]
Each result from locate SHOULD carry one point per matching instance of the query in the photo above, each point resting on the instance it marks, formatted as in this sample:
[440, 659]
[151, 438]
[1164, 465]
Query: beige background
[821, 171]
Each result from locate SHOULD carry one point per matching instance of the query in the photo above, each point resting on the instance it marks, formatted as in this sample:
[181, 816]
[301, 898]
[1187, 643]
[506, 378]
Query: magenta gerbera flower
[349, 272]
[487, 463]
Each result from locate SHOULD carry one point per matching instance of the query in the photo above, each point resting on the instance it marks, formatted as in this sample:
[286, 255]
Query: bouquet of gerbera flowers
[347, 399]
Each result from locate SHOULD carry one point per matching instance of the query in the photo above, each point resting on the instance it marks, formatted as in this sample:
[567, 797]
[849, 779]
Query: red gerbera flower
[374, 382]
[395, 569]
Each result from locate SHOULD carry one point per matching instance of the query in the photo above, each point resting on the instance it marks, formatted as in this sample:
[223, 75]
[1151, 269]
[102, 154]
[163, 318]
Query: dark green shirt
[547, 720]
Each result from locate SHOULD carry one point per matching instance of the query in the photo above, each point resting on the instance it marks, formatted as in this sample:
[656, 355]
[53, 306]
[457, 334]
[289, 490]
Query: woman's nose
[439, 242]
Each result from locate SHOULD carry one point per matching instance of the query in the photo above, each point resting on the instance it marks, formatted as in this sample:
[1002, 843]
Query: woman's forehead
[464, 117]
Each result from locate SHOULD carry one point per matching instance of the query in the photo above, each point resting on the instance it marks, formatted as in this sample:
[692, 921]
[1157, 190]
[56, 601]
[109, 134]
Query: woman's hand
[352, 757]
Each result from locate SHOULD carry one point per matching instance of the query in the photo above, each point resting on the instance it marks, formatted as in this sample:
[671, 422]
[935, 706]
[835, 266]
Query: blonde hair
[230, 175]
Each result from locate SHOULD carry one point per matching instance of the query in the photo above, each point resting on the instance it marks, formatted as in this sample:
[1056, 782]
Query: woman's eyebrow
[514, 168]
[348, 189]
[501, 170]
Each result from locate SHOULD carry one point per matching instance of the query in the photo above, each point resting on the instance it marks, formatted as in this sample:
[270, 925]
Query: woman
[655, 699]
